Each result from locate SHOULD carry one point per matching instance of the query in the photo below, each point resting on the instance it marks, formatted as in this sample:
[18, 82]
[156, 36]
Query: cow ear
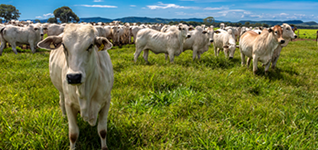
[191, 28]
[270, 30]
[103, 44]
[217, 31]
[55, 41]
[204, 32]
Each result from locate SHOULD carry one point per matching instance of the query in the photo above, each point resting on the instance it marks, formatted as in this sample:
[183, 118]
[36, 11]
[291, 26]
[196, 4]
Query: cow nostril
[231, 57]
[41, 34]
[74, 78]
[295, 36]
[282, 41]
[211, 41]
[189, 36]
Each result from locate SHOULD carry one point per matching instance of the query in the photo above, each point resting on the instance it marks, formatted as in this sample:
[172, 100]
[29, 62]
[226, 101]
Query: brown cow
[260, 47]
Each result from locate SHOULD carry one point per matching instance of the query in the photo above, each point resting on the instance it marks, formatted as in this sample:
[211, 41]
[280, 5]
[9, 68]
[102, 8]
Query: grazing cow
[170, 42]
[101, 31]
[222, 26]
[54, 29]
[14, 35]
[224, 40]
[288, 35]
[260, 47]
[199, 41]
[81, 70]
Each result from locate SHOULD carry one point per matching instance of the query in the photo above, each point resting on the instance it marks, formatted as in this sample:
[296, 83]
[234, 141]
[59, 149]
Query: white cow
[15, 35]
[54, 29]
[260, 47]
[224, 40]
[199, 41]
[81, 70]
[170, 42]
[288, 35]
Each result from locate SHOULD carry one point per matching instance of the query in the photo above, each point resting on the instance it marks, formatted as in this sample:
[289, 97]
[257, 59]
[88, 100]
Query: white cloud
[215, 8]
[98, 6]
[133, 6]
[283, 14]
[98, 0]
[44, 16]
[165, 6]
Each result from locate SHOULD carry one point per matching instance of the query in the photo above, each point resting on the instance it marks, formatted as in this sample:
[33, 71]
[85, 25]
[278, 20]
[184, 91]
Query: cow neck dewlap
[83, 90]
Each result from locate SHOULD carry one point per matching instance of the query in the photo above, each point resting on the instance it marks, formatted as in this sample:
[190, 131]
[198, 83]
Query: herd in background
[169, 39]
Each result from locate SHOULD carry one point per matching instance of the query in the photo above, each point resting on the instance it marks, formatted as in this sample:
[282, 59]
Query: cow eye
[276, 32]
[287, 28]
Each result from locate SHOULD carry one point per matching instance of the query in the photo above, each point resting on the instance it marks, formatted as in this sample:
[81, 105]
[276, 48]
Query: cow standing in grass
[288, 35]
[170, 42]
[81, 69]
[260, 47]
[317, 38]
[15, 35]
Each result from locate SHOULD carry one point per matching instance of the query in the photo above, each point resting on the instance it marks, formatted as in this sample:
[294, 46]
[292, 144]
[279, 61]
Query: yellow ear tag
[101, 47]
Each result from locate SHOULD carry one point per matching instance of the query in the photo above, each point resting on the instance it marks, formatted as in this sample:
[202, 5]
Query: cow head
[38, 29]
[288, 32]
[277, 31]
[80, 45]
[184, 30]
[209, 33]
[231, 43]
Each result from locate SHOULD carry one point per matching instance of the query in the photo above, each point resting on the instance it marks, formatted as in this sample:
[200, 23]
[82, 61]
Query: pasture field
[212, 103]
[307, 33]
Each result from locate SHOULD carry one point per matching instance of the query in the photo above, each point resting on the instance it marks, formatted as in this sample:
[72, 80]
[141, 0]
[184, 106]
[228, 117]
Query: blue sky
[224, 10]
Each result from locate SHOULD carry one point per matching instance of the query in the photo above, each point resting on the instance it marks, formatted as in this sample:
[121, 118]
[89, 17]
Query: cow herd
[81, 69]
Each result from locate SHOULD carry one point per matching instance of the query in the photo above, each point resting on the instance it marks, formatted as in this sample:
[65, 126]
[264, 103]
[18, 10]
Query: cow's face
[184, 29]
[80, 46]
[209, 32]
[278, 33]
[38, 29]
[232, 43]
[288, 32]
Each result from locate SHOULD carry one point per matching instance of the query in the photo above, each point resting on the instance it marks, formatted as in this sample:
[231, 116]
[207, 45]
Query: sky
[222, 10]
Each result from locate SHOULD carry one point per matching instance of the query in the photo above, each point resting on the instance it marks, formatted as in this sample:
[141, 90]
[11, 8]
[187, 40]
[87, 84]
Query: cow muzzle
[282, 41]
[231, 58]
[295, 36]
[211, 41]
[188, 36]
[74, 78]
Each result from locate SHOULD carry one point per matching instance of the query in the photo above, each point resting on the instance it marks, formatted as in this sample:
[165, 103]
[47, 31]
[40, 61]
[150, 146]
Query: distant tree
[52, 20]
[247, 24]
[65, 14]
[209, 20]
[8, 12]
[37, 20]
[265, 25]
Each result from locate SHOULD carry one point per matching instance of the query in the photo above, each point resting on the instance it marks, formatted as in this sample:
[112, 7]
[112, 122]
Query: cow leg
[3, 45]
[199, 55]
[14, 48]
[171, 56]
[166, 56]
[195, 51]
[137, 53]
[32, 46]
[146, 52]
[218, 51]
[255, 60]
[267, 66]
[215, 51]
[62, 103]
[102, 124]
[248, 61]
[72, 125]
[242, 59]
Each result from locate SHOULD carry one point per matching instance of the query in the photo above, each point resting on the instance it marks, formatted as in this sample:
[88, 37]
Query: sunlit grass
[212, 103]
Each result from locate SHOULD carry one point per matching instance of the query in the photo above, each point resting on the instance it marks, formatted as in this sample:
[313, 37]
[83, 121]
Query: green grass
[307, 33]
[213, 103]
